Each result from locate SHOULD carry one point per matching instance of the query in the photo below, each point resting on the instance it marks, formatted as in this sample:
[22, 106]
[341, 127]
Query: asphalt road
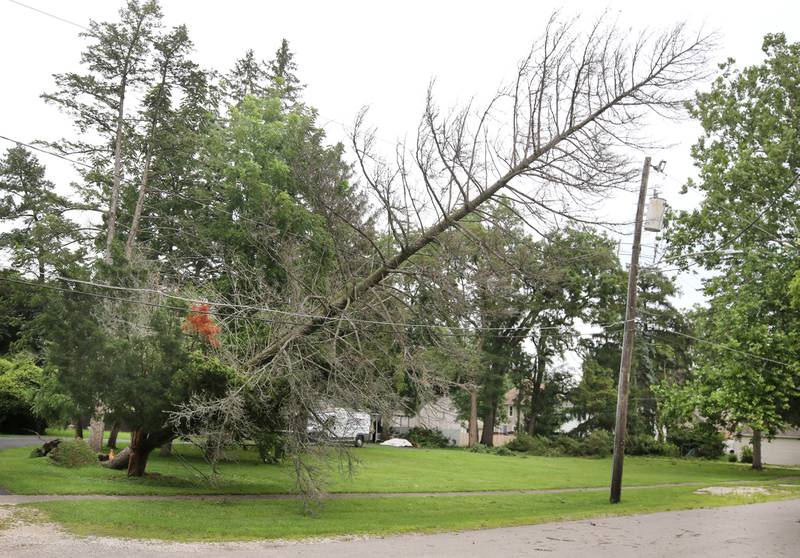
[14, 441]
[764, 530]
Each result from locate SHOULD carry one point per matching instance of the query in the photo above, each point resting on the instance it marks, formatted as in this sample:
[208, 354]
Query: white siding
[782, 450]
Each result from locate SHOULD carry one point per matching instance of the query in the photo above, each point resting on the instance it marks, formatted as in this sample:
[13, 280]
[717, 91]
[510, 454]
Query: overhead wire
[283, 320]
[334, 318]
[719, 247]
[716, 344]
[48, 14]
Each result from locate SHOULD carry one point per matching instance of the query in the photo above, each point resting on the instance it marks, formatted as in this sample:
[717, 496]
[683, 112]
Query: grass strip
[381, 470]
[221, 520]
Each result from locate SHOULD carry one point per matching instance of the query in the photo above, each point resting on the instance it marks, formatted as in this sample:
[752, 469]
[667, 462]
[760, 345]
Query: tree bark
[96, 428]
[120, 460]
[112, 436]
[473, 418]
[487, 436]
[536, 389]
[78, 428]
[142, 444]
[756, 441]
[137, 212]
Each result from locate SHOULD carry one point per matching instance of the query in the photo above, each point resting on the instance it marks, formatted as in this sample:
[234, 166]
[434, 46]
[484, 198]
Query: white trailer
[342, 425]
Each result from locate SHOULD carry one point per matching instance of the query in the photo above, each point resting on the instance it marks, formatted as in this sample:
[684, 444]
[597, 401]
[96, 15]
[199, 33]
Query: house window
[511, 410]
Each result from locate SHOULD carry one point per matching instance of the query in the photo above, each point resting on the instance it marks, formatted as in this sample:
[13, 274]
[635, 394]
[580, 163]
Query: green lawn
[222, 520]
[380, 470]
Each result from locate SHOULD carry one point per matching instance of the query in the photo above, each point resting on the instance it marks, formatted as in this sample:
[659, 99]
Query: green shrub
[643, 444]
[698, 440]
[732, 457]
[567, 445]
[535, 445]
[521, 442]
[73, 453]
[20, 379]
[427, 437]
[598, 443]
[747, 454]
[502, 450]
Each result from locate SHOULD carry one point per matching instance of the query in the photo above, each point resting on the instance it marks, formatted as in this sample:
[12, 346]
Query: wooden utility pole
[627, 344]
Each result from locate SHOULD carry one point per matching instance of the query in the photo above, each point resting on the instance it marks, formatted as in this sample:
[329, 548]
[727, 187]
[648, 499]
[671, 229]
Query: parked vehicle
[342, 425]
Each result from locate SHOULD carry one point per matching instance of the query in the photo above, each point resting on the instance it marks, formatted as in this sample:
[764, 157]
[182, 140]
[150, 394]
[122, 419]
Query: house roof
[788, 433]
[511, 396]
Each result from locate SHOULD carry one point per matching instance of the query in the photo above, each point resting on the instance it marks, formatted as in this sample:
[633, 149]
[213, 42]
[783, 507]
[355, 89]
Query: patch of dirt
[732, 490]
[11, 516]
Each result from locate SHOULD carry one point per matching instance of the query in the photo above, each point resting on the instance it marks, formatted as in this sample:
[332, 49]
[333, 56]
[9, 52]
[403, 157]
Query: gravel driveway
[765, 530]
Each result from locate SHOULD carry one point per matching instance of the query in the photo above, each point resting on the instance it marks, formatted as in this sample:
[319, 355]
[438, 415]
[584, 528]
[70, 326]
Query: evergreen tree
[117, 64]
[249, 77]
[659, 355]
[282, 73]
[41, 238]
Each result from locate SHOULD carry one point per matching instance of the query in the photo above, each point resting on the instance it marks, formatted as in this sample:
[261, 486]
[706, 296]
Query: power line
[292, 314]
[281, 321]
[40, 150]
[245, 219]
[48, 14]
[754, 223]
[726, 242]
[727, 348]
[346, 127]
[709, 342]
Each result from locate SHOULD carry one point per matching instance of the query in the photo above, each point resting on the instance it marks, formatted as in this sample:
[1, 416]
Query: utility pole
[627, 344]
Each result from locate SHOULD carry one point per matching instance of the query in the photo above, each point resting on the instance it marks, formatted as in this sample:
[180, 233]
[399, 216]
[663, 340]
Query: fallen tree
[547, 147]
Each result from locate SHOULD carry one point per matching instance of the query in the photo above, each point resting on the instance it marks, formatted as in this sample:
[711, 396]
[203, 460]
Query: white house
[784, 449]
[442, 415]
[438, 415]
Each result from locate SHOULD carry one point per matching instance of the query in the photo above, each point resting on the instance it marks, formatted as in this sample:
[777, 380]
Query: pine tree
[249, 77]
[173, 70]
[41, 237]
[117, 62]
[282, 74]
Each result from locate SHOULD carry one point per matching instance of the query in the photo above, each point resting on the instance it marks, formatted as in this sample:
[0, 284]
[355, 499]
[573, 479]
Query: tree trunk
[120, 461]
[137, 212]
[112, 436]
[78, 428]
[756, 441]
[487, 436]
[111, 216]
[473, 418]
[96, 428]
[142, 443]
[536, 389]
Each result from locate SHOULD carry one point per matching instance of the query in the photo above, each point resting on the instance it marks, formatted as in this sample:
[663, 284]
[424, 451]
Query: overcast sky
[381, 54]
